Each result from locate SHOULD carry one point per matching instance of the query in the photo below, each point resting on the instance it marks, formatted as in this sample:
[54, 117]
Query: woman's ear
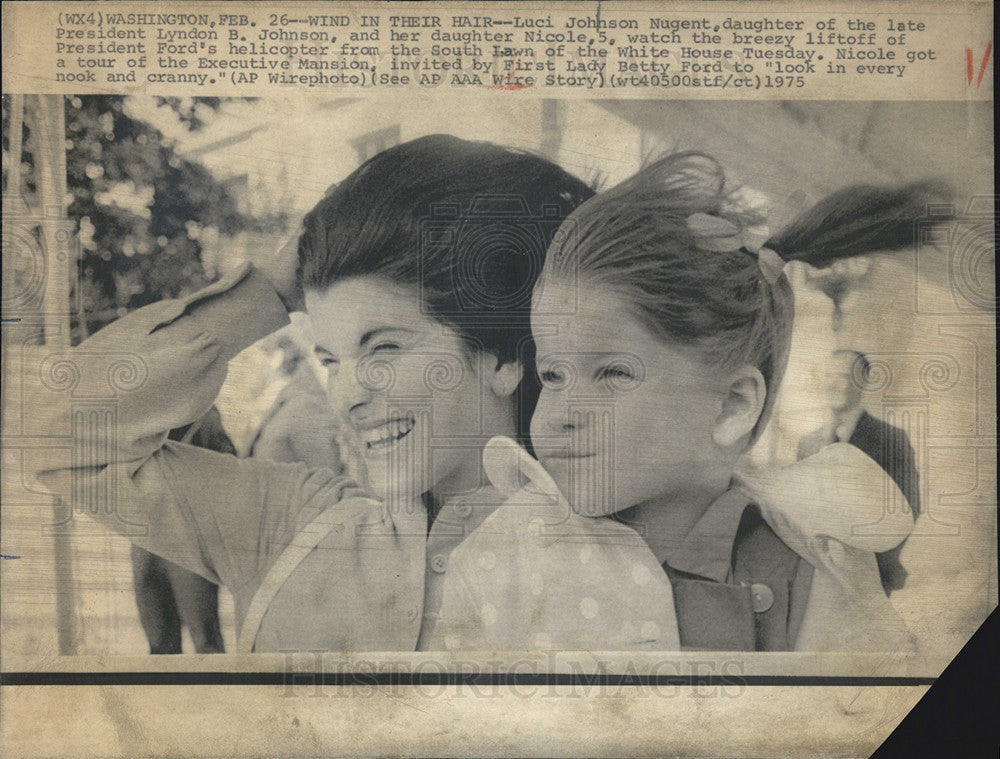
[503, 378]
[741, 408]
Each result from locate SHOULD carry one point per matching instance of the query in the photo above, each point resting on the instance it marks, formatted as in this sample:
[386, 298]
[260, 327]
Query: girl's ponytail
[858, 220]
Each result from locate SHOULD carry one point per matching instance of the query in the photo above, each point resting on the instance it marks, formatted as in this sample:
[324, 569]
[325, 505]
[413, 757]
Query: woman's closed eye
[325, 358]
[386, 347]
[616, 371]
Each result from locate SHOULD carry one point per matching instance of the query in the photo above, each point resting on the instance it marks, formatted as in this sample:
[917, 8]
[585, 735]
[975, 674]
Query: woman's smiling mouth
[386, 435]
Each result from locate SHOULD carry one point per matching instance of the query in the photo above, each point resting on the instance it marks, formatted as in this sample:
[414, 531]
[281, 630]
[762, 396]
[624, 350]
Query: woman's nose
[347, 390]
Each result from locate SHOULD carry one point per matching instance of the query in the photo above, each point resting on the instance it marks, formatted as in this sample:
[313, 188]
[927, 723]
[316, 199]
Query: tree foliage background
[144, 212]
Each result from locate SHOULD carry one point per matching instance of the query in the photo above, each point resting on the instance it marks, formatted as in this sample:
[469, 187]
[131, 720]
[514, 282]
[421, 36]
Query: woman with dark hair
[417, 271]
[454, 233]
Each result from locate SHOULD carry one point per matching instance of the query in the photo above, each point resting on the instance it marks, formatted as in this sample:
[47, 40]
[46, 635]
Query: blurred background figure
[847, 378]
[274, 407]
[170, 597]
[842, 283]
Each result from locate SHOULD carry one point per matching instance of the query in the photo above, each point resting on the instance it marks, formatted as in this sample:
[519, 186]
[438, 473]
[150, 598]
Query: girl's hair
[465, 224]
[638, 240]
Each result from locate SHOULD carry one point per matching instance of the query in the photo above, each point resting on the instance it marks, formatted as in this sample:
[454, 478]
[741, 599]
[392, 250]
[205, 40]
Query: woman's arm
[151, 371]
[839, 492]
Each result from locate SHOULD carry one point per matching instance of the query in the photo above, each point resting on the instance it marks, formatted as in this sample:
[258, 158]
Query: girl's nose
[555, 410]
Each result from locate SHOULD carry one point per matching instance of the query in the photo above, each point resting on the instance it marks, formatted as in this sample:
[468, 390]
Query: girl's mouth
[386, 435]
[565, 453]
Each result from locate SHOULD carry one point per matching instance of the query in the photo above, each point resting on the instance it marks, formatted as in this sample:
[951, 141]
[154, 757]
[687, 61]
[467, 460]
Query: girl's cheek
[545, 408]
[534, 426]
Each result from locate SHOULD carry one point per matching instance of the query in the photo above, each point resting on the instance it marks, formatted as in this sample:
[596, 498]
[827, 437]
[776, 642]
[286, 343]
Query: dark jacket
[737, 586]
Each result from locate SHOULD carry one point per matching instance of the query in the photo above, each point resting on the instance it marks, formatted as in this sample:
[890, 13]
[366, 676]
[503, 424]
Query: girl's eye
[328, 362]
[382, 347]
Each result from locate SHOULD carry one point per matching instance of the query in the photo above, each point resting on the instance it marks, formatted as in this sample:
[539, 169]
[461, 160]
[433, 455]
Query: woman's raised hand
[513, 471]
[281, 268]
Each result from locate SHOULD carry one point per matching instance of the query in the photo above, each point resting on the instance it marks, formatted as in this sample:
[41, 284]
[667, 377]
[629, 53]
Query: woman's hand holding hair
[281, 269]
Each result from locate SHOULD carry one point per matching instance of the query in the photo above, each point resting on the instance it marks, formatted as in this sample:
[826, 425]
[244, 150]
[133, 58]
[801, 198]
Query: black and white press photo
[577, 379]
[344, 374]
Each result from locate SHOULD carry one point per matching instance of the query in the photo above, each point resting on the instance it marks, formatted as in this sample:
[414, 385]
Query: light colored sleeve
[113, 400]
[839, 492]
[536, 576]
[847, 609]
[525, 582]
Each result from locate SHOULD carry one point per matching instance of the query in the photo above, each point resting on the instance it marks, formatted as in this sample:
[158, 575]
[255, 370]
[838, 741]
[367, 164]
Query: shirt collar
[707, 550]
[844, 426]
[461, 514]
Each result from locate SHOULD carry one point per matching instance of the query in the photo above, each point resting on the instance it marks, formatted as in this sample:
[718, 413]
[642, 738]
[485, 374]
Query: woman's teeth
[386, 434]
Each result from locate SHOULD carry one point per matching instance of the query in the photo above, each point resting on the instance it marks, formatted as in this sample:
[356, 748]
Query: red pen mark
[509, 86]
[970, 67]
[982, 69]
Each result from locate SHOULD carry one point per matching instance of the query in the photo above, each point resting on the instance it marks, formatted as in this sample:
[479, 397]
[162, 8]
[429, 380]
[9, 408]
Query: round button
[439, 563]
[463, 509]
[763, 597]
[411, 614]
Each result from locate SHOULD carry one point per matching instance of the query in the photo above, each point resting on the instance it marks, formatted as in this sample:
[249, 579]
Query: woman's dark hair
[637, 239]
[466, 224]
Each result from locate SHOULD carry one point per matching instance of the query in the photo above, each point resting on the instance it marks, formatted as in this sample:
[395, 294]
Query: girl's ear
[741, 408]
[505, 377]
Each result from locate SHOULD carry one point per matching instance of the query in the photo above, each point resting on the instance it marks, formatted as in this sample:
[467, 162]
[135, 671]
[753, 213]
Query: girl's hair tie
[771, 264]
[718, 234]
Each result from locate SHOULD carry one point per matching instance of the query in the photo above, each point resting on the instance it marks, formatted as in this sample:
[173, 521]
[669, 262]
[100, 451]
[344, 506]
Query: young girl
[663, 321]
